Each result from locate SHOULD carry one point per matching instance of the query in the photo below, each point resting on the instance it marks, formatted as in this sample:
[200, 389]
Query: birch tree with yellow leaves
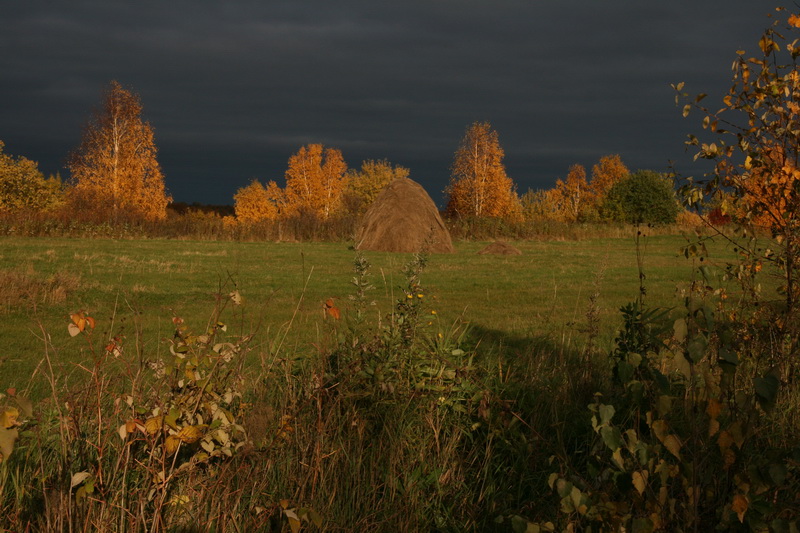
[479, 185]
[315, 180]
[115, 170]
[256, 203]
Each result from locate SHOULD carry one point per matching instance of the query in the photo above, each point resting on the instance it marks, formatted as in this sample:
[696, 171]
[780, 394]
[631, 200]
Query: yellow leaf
[171, 444]
[7, 439]
[617, 458]
[672, 444]
[123, 431]
[73, 330]
[640, 480]
[794, 20]
[8, 417]
[178, 499]
[294, 521]
[190, 434]
[739, 506]
[78, 478]
[78, 320]
[660, 429]
[153, 425]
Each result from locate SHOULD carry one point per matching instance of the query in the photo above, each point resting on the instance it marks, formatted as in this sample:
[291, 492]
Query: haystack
[500, 248]
[403, 218]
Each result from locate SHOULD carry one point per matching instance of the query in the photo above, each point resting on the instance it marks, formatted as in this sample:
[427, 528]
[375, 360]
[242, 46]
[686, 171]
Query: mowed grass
[133, 288]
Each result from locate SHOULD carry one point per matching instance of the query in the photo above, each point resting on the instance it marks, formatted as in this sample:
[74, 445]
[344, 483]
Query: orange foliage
[569, 198]
[605, 173]
[115, 168]
[255, 203]
[479, 186]
[364, 186]
[315, 180]
[768, 186]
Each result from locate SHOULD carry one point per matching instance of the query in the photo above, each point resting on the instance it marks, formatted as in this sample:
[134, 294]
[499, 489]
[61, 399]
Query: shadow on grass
[542, 390]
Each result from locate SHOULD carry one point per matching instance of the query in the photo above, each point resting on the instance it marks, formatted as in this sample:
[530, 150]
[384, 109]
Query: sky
[233, 89]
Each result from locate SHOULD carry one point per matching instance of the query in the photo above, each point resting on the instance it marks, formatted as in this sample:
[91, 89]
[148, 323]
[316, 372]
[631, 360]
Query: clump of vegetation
[23, 287]
[644, 197]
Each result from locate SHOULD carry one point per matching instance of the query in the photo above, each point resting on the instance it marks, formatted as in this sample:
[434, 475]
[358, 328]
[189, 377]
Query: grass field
[397, 422]
[543, 293]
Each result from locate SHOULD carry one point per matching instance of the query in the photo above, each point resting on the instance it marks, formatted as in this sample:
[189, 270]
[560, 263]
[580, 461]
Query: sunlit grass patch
[23, 289]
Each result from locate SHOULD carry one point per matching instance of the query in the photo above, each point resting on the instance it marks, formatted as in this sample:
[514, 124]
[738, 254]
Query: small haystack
[500, 248]
[403, 218]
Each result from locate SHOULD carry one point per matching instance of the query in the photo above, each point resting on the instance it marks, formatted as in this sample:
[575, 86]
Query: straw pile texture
[403, 218]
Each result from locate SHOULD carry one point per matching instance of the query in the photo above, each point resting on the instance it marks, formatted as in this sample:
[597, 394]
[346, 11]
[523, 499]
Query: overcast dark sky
[233, 88]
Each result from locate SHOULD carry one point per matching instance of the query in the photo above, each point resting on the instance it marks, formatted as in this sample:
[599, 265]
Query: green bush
[644, 197]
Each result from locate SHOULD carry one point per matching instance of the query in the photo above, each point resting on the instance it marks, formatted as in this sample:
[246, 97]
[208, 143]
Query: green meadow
[135, 287]
[259, 386]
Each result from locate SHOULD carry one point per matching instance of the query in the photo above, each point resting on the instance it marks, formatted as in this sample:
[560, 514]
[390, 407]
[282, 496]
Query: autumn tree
[535, 205]
[755, 149]
[115, 170]
[479, 186]
[22, 185]
[256, 203]
[605, 173]
[315, 180]
[571, 196]
[364, 185]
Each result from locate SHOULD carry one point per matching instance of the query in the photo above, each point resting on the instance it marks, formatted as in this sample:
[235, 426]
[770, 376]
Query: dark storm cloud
[234, 88]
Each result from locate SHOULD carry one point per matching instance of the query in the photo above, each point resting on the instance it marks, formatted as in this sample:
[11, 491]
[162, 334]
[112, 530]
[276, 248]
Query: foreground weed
[116, 451]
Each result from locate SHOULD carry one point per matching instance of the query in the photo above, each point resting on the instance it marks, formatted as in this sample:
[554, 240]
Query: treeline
[116, 181]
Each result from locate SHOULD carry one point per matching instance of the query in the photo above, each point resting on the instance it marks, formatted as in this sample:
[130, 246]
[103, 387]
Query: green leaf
[778, 473]
[766, 388]
[25, 405]
[612, 437]
[680, 330]
[780, 525]
[697, 348]
[728, 356]
[682, 365]
[624, 371]
[634, 359]
[563, 487]
[606, 413]
[643, 525]
[664, 405]
[521, 525]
